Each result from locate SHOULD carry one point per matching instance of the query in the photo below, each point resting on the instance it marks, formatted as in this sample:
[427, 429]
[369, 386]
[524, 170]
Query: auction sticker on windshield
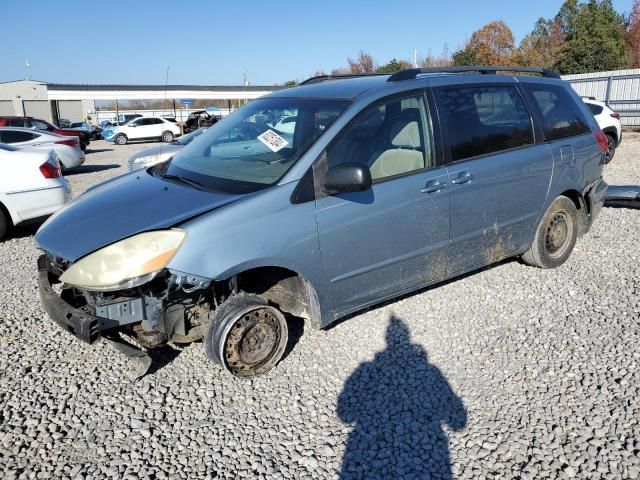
[272, 140]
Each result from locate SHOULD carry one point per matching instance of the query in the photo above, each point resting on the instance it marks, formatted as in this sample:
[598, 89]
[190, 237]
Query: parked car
[151, 156]
[123, 118]
[105, 123]
[31, 186]
[286, 124]
[37, 124]
[199, 119]
[64, 123]
[67, 149]
[609, 122]
[143, 128]
[388, 184]
[93, 131]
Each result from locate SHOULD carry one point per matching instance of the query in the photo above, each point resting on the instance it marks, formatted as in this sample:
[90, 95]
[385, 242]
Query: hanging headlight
[125, 264]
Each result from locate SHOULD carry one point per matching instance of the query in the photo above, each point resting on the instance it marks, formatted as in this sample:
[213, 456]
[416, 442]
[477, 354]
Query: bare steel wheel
[555, 236]
[246, 336]
[167, 136]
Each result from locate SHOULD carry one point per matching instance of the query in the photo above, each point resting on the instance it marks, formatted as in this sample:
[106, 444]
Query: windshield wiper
[185, 180]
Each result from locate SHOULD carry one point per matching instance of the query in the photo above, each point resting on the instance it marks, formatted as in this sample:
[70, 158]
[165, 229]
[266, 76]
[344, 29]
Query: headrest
[405, 132]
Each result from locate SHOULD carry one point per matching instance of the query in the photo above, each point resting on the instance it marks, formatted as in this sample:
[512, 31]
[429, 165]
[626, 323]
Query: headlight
[127, 263]
[148, 160]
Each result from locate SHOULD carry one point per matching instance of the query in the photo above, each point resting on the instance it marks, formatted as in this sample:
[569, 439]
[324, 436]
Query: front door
[393, 237]
[499, 177]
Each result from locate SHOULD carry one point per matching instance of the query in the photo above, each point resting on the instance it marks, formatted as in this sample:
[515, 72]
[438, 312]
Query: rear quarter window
[561, 115]
[595, 109]
[483, 119]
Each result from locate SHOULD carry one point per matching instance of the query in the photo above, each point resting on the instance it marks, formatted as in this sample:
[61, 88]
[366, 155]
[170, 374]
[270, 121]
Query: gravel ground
[511, 372]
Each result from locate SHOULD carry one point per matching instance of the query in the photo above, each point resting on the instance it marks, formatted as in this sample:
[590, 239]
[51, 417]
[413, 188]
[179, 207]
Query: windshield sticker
[272, 140]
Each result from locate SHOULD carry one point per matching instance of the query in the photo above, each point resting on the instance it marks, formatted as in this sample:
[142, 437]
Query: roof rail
[323, 78]
[411, 73]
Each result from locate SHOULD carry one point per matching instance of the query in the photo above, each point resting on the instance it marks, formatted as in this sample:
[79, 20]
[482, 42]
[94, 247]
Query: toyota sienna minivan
[384, 184]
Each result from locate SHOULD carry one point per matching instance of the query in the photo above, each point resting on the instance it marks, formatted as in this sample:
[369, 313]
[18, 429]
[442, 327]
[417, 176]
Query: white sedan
[31, 187]
[67, 148]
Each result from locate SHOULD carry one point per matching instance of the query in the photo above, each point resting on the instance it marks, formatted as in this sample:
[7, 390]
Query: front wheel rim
[558, 234]
[255, 342]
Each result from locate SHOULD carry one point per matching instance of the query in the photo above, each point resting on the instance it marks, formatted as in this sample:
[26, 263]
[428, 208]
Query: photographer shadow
[399, 403]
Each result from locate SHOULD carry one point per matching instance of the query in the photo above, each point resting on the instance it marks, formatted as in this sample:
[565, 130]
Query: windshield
[249, 149]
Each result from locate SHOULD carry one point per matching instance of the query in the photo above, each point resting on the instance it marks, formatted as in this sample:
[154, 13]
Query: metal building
[53, 101]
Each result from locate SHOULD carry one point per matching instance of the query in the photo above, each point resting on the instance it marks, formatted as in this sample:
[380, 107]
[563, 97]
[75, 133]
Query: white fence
[618, 88]
[181, 114]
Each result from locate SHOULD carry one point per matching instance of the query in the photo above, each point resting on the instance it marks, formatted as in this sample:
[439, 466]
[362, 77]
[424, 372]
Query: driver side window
[391, 137]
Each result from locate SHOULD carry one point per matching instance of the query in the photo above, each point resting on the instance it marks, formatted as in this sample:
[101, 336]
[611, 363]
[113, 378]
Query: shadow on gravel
[398, 403]
[28, 230]
[161, 357]
[295, 326]
[90, 169]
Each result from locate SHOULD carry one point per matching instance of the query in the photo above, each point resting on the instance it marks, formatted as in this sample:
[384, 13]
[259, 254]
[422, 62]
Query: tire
[167, 136]
[121, 139]
[611, 148]
[555, 236]
[246, 335]
[4, 224]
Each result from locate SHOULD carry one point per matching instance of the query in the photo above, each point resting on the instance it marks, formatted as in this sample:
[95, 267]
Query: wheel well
[291, 292]
[583, 207]
[611, 131]
[7, 215]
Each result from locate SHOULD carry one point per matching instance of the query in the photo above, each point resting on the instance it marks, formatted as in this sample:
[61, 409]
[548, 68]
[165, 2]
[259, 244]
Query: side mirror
[348, 177]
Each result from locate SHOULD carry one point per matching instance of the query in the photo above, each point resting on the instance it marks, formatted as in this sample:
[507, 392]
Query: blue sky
[212, 43]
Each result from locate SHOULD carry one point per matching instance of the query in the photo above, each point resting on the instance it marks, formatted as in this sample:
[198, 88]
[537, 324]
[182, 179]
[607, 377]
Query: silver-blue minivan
[379, 185]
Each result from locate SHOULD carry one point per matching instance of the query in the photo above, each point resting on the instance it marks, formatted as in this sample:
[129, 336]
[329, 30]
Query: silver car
[151, 156]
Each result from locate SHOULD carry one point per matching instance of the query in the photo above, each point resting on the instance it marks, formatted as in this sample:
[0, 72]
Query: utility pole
[415, 58]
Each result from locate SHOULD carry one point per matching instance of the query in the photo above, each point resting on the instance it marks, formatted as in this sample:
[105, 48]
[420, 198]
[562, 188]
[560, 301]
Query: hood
[122, 207]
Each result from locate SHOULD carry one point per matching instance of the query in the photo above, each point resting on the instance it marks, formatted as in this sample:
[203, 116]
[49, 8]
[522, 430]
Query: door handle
[433, 186]
[463, 177]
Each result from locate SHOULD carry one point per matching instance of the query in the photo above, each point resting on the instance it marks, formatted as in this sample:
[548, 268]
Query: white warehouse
[52, 101]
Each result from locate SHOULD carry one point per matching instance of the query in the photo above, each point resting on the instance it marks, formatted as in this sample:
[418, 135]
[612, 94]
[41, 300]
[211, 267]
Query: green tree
[595, 37]
[394, 65]
[290, 83]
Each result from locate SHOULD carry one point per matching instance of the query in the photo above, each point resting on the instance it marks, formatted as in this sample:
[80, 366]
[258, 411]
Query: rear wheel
[247, 336]
[121, 139]
[555, 237]
[611, 148]
[167, 136]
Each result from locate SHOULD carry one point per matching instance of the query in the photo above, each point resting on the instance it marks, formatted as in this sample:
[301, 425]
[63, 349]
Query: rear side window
[10, 136]
[595, 109]
[484, 119]
[561, 114]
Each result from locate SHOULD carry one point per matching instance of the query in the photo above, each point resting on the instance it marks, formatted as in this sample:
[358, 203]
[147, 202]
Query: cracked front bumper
[79, 323]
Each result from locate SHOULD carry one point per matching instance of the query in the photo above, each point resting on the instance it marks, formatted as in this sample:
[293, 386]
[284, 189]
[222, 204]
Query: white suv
[609, 122]
[145, 128]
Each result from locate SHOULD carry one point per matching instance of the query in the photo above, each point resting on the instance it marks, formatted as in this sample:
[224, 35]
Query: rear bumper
[596, 195]
[75, 321]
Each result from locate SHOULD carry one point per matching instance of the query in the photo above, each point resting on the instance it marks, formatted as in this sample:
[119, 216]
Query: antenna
[244, 77]
[415, 58]
[28, 70]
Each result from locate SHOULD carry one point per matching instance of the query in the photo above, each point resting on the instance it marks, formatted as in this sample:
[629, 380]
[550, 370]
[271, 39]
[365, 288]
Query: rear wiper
[185, 180]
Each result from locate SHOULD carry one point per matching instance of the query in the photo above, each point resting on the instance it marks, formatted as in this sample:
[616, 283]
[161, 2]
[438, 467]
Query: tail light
[49, 170]
[69, 143]
[616, 115]
[601, 138]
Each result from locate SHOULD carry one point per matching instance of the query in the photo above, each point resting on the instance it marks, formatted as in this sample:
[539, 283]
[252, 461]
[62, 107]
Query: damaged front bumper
[172, 307]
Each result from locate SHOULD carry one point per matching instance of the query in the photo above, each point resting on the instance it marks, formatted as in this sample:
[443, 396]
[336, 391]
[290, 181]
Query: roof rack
[323, 78]
[411, 73]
